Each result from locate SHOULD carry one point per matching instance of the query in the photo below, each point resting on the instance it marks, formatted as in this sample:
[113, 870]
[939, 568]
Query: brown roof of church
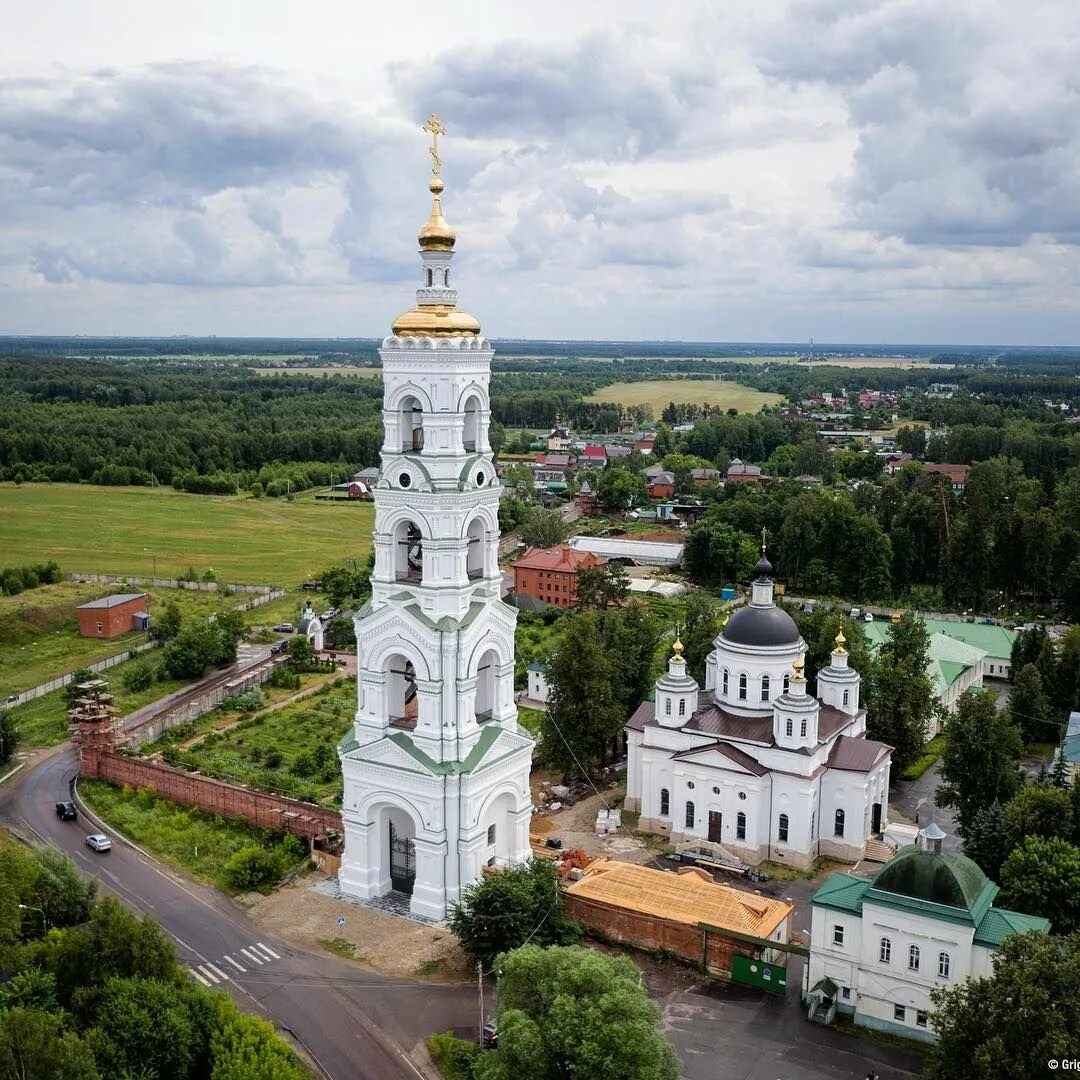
[733, 753]
[711, 719]
[856, 755]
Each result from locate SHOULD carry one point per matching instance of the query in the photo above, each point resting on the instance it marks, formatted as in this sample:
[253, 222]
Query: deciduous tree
[1042, 877]
[1014, 1021]
[570, 1011]
[543, 528]
[503, 911]
[599, 587]
[978, 767]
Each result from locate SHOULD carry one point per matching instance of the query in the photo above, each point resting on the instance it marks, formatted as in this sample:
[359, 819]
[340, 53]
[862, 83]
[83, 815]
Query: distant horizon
[667, 342]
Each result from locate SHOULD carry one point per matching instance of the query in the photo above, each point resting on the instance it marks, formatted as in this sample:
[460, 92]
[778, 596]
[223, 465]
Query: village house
[740, 473]
[956, 475]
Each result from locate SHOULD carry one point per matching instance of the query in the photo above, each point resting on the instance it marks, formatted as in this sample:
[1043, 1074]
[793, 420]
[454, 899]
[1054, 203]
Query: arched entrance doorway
[402, 859]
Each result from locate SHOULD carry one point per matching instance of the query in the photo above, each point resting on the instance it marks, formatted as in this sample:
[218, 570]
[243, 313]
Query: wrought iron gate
[402, 862]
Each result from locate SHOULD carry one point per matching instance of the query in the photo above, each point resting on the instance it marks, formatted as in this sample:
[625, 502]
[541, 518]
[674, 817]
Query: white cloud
[847, 169]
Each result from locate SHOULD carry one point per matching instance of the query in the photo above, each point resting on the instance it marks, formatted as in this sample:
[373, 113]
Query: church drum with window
[753, 762]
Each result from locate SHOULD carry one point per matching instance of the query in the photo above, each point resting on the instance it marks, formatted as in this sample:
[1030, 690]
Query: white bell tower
[436, 771]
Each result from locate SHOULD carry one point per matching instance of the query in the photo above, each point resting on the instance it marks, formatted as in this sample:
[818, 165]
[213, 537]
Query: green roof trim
[841, 892]
[488, 736]
[998, 923]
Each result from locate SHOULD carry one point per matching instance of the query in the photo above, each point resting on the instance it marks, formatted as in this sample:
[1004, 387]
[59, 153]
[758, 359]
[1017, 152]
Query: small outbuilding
[113, 615]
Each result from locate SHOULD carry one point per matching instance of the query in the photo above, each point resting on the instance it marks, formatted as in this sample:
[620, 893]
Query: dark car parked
[66, 811]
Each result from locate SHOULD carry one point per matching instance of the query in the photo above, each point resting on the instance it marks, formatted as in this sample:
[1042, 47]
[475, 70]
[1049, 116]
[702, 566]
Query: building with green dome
[879, 946]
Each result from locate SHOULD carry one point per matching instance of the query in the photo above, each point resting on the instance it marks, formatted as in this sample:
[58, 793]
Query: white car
[98, 842]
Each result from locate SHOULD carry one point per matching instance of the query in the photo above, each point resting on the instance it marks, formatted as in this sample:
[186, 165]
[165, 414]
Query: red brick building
[113, 615]
[550, 574]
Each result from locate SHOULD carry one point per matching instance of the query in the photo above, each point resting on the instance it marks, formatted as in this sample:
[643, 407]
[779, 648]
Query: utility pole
[480, 988]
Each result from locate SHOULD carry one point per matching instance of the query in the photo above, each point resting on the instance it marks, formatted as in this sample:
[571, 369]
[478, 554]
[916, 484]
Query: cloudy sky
[847, 170]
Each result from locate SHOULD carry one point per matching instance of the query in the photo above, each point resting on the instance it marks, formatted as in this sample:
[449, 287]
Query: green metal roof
[488, 735]
[995, 641]
[998, 923]
[945, 877]
[951, 670]
[841, 892]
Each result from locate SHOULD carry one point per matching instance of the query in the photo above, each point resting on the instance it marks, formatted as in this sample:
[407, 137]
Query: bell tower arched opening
[401, 703]
[408, 552]
[471, 431]
[477, 537]
[412, 426]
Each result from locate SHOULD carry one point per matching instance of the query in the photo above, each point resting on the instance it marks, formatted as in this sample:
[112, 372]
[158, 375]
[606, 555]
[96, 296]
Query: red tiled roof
[561, 557]
[594, 451]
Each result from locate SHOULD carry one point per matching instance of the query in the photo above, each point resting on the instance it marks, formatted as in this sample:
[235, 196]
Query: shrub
[303, 766]
[139, 676]
[273, 758]
[456, 1058]
[254, 868]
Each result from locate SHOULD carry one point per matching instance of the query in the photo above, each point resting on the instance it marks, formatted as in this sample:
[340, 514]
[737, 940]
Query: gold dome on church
[436, 318]
[435, 234]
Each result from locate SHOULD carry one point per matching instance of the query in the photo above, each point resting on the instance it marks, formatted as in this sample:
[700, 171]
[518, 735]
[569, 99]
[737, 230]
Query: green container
[771, 977]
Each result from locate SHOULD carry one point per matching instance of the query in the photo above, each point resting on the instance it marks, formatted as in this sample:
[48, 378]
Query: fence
[267, 592]
[199, 701]
[214, 796]
[63, 680]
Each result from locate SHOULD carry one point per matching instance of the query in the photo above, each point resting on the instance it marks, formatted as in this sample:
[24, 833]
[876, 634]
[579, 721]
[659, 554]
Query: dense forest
[200, 428]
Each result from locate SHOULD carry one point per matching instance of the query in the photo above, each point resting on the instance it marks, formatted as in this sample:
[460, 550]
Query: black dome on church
[760, 626]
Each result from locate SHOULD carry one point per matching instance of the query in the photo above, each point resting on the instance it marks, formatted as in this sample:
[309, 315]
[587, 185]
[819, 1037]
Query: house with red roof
[550, 574]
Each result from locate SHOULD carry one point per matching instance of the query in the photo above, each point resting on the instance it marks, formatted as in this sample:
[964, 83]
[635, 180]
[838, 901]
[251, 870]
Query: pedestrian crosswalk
[241, 960]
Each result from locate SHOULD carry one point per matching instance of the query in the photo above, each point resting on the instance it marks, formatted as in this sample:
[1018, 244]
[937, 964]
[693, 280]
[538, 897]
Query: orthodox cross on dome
[434, 127]
[762, 539]
[799, 667]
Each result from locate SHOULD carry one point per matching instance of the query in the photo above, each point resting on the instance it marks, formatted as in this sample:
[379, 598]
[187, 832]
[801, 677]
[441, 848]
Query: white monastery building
[879, 948]
[754, 762]
[436, 769]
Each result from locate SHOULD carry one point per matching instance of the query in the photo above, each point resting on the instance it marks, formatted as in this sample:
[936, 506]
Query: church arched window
[789, 727]
[802, 728]
[838, 823]
[782, 828]
[689, 814]
[740, 826]
[787, 683]
[913, 956]
[682, 706]
[724, 683]
[742, 686]
[846, 697]
[667, 706]
[665, 802]
[764, 687]
[430, 277]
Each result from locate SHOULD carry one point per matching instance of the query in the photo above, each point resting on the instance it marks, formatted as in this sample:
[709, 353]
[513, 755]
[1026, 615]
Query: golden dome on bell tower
[436, 313]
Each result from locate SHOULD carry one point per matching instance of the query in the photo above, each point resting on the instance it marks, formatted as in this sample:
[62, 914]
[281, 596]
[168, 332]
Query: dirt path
[380, 941]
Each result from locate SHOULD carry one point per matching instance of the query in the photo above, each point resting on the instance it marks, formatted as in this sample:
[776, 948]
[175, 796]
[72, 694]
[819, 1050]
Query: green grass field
[143, 530]
[39, 632]
[718, 393]
[187, 839]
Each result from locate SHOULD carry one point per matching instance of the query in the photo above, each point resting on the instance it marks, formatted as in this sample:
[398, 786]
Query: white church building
[754, 762]
[436, 769]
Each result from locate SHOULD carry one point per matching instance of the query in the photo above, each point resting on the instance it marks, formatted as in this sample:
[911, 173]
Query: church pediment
[388, 753]
[722, 756]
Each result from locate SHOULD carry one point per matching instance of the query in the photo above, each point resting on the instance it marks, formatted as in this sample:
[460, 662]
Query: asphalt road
[355, 1025]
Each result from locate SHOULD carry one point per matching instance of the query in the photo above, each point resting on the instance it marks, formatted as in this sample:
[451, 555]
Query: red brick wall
[651, 933]
[546, 585]
[214, 796]
[114, 621]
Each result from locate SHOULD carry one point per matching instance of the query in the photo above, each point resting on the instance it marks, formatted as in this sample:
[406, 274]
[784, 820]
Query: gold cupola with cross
[436, 313]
